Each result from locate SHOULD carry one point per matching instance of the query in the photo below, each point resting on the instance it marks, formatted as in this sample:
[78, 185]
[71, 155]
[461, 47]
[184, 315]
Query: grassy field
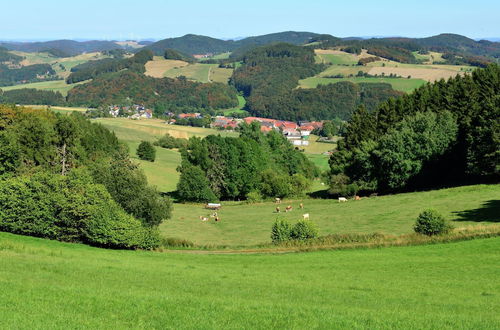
[65, 110]
[201, 72]
[393, 214]
[54, 85]
[48, 284]
[335, 57]
[400, 84]
[159, 66]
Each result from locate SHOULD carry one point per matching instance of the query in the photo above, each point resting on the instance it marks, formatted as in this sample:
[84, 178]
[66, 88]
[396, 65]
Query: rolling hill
[69, 47]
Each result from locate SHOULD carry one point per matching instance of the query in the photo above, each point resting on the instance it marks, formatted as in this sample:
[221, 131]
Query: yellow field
[427, 74]
[220, 75]
[159, 66]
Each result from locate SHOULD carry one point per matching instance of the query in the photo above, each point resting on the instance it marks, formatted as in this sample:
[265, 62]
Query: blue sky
[114, 19]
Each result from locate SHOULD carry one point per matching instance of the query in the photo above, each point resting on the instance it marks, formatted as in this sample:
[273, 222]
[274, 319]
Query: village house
[189, 115]
[225, 123]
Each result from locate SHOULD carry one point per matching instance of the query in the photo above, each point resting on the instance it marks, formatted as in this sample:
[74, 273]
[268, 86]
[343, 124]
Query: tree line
[25, 74]
[443, 133]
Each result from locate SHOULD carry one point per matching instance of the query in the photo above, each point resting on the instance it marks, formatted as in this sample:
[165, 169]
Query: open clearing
[201, 72]
[159, 66]
[59, 285]
[400, 84]
[250, 224]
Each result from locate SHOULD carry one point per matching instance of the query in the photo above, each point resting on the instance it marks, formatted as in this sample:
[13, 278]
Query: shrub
[281, 231]
[146, 151]
[303, 230]
[254, 197]
[430, 222]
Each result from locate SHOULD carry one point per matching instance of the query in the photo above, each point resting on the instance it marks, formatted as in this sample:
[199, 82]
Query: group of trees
[165, 94]
[64, 178]
[25, 74]
[172, 54]
[32, 96]
[447, 132]
[6, 56]
[228, 168]
[93, 69]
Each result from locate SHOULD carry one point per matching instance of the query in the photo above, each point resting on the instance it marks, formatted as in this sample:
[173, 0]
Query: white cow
[342, 199]
[305, 216]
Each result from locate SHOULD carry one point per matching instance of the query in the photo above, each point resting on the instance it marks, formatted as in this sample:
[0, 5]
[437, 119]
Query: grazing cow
[305, 216]
[217, 219]
[342, 199]
[214, 215]
[301, 206]
[277, 200]
[202, 218]
[357, 198]
[288, 208]
[278, 210]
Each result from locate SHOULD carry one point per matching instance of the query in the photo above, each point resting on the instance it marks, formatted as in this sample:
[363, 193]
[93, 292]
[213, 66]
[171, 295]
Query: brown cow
[357, 198]
[301, 206]
[288, 208]
[278, 209]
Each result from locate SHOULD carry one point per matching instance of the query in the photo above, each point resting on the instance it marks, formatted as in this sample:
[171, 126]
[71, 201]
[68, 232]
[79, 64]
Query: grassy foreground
[250, 224]
[47, 284]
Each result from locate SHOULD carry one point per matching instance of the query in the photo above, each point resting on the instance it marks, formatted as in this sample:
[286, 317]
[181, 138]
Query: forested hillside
[447, 132]
[175, 95]
[25, 74]
[93, 69]
[64, 178]
[31, 96]
[269, 77]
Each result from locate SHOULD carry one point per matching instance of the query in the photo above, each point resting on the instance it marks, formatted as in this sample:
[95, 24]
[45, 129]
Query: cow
[202, 218]
[278, 210]
[277, 200]
[357, 198]
[288, 208]
[301, 206]
[342, 199]
[305, 216]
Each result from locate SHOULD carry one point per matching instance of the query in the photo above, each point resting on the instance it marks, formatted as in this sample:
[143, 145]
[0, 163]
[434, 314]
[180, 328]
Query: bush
[254, 197]
[303, 230]
[281, 231]
[146, 151]
[70, 208]
[430, 223]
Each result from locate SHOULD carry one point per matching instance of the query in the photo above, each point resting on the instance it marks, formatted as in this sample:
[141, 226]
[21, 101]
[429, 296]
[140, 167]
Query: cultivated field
[159, 66]
[342, 63]
[58, 285]
[201, 72]
[393, 214]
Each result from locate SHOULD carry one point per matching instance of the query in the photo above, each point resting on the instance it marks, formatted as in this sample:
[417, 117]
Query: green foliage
[254, 197]
[167, 141]
[146, 151]
[430, 222]
[304, 230]
[442, 133]
[93, 69]
[176, 95]
[32, 96]
[193, 185]
[281, 231]
[172, 54]
[69, 208]
[10, 158]
[30, 73]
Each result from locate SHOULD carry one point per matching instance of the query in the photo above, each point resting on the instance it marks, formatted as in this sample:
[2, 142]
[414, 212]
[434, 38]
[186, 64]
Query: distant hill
[198, 44]
[68, 47]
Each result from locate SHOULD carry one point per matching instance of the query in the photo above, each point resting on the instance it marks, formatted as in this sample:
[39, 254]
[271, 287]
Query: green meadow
[391, 214]
[53, 285]
[400, 84]
[54, 85]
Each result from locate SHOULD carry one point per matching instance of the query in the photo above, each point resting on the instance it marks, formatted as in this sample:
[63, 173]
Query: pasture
[53, 85]
[335, 57]
[50, 284]
[400, 84]
[392, 214]
[201, 72]
[159, 66]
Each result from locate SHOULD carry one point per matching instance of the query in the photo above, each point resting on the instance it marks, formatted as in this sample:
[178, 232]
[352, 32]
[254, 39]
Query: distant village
[297, 133]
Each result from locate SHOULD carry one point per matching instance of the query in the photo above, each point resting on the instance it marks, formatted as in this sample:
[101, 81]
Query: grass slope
[54, 85]
[400, 84]
[250, 224]
[47, 284]
[201, 72]
[160, 65]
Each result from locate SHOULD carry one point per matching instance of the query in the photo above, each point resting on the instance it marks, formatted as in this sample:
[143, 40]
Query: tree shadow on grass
[488, 212]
